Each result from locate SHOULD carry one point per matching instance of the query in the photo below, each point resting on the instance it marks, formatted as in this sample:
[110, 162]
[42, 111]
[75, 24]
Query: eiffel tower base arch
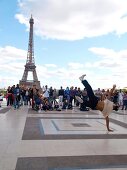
[30, 84]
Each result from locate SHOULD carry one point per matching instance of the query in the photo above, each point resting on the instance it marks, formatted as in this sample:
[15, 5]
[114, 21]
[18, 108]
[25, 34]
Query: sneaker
[79, 99]
[82, 77]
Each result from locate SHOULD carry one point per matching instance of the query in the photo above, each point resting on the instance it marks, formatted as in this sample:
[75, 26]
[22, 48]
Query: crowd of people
[51, 98]
[44, 99]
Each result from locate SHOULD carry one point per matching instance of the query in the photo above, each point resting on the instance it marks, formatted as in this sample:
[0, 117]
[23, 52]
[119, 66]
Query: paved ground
[66, 140]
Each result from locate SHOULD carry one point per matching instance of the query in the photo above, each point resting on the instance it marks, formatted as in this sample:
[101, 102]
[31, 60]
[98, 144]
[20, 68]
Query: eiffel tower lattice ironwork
[30, 63]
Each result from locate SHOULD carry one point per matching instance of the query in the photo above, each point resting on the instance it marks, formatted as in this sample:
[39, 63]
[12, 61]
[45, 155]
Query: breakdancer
[105, 106]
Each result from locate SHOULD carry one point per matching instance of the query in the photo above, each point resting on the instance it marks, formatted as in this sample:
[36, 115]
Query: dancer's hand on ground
[110, 130]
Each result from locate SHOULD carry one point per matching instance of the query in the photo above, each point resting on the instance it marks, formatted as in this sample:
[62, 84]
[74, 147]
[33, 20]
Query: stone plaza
[61, 140]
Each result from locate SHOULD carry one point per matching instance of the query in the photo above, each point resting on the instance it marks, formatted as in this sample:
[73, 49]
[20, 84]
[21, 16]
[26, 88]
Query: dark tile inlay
[4, 110]
[80, 125]
[33, 130]
[72, 162]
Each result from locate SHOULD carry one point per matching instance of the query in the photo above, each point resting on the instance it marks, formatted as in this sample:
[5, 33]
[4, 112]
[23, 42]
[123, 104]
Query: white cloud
[103, 52]
[111, 65]
[22, 19]
[75, 65]
[102, 73]
[110, 55]
[73, 20]
[12, 61]
[9, 53]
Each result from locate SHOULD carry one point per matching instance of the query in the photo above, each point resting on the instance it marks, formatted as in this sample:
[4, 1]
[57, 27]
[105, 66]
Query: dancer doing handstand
[105, 106]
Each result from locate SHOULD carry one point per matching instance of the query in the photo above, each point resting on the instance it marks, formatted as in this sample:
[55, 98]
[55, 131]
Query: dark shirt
[61, 92]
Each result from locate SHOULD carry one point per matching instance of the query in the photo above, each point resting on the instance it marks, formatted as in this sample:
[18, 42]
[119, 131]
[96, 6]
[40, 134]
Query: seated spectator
[46, 105]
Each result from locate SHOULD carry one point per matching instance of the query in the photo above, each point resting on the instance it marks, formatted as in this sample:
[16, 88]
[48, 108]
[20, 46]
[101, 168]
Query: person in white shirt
[105, 106]
[120, 97]
[46, 92]
[98, 93]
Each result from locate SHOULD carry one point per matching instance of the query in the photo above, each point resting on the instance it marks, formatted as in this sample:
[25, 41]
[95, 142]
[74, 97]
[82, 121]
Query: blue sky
[70, 38]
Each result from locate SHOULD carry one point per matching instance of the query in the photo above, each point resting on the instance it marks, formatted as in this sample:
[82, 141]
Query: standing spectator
[46, 92]
[43, 89]
[61, 96]
[72, 95]
[115, 97]
[9, 96]
[120, 98]
[75, 94]
[67, 95]
[98, 93]
[33, 94]
[16, 92]
[124, 101]
[1, 99]
[103, 94]
[51, 94]
[79, 93]
[26, 96]
[54, 97]
[30, 96]
[22, 92]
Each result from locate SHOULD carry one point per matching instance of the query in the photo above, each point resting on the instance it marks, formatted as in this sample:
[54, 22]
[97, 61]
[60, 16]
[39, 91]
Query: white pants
[120, 101]
[60, 101]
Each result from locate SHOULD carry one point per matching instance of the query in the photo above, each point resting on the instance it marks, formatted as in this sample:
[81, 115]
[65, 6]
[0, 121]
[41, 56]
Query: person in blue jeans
[105, 106]
[16, 93]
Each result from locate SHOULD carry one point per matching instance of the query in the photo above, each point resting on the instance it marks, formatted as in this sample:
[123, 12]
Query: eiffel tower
[30, 63]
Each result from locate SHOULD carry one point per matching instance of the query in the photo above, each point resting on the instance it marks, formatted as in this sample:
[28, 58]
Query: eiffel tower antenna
[30, 63]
